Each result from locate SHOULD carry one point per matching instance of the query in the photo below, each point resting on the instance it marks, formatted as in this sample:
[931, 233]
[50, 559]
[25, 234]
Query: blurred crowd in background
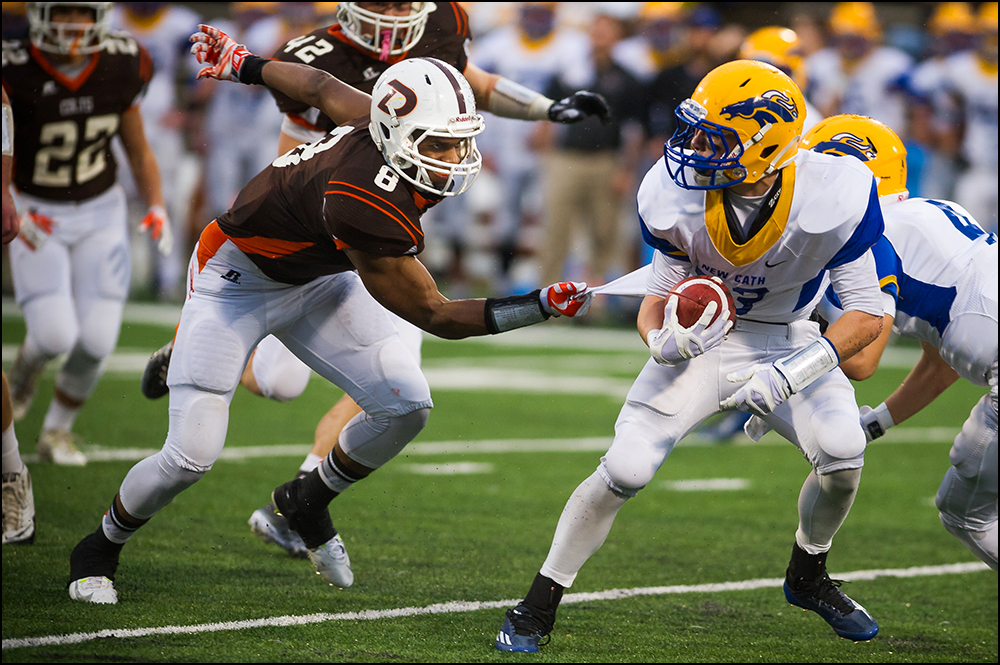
[928, 70]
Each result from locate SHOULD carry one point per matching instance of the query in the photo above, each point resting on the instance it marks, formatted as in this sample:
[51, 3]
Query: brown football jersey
[295, 218]
[332, 51]
[63, 125]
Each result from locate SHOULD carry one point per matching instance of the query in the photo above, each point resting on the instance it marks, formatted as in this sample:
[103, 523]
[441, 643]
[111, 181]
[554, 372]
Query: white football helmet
[68, 38]
[420, 98]
[388, 35]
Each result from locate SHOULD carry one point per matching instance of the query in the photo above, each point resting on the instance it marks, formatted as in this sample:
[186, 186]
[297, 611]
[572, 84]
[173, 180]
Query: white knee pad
[611, 474]
[52, 326]
[278, 373]
[198, 424]
[374, 440]
[100, 327]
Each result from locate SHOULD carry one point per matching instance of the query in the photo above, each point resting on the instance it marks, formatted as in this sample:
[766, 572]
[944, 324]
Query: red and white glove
[158, 225]
[675, 344]
[35, 229]
[566, 299]
[220, 52]
[765, 388]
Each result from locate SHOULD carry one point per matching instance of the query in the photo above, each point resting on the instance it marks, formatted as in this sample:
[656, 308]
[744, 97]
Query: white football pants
[73, 288]
[666, 403]
[331, 323]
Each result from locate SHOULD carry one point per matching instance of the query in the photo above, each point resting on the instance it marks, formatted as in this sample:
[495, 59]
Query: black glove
[578, 106]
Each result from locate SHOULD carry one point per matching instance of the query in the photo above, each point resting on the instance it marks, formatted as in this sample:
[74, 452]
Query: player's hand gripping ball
[697, 315]
[695, 293]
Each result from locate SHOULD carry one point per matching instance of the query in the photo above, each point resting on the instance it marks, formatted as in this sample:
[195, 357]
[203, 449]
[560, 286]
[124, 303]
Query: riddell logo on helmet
[463, 118]
[771, 107]
[846, 143]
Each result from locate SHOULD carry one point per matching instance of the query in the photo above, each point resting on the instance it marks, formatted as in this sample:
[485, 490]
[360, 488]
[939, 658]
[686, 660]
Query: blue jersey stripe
[809, 290]
[661, 244]
[868, 231]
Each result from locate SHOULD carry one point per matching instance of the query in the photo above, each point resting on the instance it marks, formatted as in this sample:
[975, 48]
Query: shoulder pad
[830, 191]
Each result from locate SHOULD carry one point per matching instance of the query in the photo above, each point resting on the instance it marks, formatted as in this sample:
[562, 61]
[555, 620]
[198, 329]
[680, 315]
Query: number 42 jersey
[64, 123]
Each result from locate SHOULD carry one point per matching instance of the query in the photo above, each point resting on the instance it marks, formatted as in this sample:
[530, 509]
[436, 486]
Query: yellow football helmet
[987, 18]
[870, 141]
[751, 116]
[776, 46]
[952, 17]
[857, 19]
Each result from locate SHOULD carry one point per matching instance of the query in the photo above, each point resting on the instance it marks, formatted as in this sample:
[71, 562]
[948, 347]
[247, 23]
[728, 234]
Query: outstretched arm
[228, 61]
[402, 285]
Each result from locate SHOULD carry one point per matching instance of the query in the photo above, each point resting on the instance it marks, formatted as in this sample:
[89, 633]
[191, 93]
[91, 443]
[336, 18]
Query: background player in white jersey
[971, 81]
[532, 52]
[163, 28]
[74, 86]
[938, 271]
[351, 51]
[857, 74]
[18, 497]
[773, 223]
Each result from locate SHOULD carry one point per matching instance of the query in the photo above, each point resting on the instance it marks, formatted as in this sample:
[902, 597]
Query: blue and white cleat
[522, 632]
[824, 597]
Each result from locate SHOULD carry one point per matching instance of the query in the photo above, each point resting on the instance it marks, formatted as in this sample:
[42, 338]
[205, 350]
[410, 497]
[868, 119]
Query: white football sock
[823, 506]
[11, 455]
[583, 526]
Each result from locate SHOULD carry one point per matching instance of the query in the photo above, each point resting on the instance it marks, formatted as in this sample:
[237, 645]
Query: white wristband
[8, 131]
[802, 368]
[513, 100]
[878, 421]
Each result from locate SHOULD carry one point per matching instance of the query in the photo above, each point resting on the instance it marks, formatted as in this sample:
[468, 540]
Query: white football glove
[765, 388]
[875, 421]
[158, 226]
[675, 344]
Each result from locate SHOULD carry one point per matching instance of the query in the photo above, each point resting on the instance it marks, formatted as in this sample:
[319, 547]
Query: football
[695, 293]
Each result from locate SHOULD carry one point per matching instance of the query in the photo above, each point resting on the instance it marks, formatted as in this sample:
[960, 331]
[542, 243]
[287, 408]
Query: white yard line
[896, 435]
[465, 606]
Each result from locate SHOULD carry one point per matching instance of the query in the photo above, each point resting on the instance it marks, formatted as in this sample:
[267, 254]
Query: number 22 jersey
[63, 124]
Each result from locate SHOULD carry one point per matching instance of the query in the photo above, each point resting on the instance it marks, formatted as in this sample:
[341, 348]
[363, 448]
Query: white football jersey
[965, 77]
[936, 262]
[165, 36]
[873, 88]
[565, 55]
[826, 215]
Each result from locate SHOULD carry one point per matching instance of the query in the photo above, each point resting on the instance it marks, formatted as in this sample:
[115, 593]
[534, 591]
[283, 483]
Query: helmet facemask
[420, 102]
[382, 34]
[69, 38]
[742, 123]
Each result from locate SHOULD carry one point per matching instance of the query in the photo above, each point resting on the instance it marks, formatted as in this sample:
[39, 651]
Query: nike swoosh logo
[772, 265]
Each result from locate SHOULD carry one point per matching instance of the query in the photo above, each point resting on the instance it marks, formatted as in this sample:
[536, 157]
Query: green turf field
[449, 533]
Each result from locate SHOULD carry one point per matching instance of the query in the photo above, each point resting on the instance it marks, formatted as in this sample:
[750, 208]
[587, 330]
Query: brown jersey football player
[73, 86]
[368, 38]
[314, 248]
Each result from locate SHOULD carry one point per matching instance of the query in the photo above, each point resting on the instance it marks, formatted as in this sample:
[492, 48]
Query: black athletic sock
[543, 599]
[805, 567]
[314, 493]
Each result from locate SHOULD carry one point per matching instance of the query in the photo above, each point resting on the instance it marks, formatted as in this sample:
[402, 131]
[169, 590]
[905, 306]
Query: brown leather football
[695, 293]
